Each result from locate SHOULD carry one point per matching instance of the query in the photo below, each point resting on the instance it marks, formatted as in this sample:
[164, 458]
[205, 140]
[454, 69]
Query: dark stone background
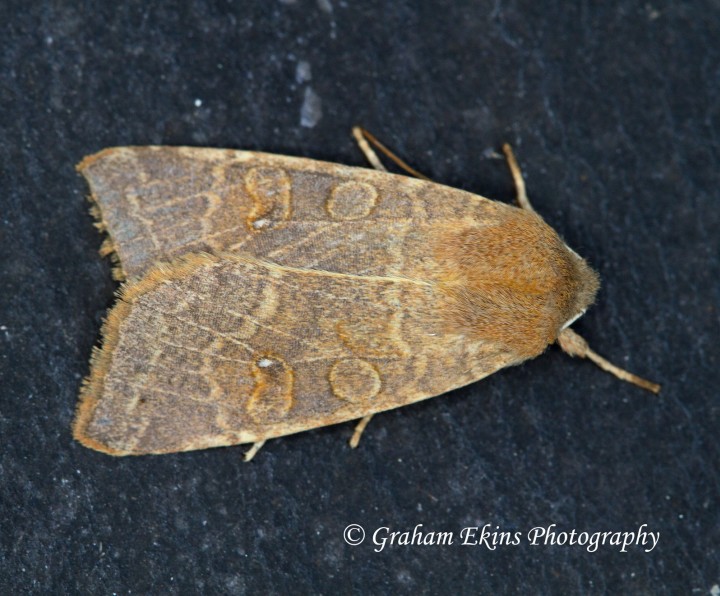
[615, 115]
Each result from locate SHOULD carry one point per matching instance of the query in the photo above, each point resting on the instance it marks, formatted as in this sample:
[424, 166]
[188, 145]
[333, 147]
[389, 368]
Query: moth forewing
[219, 350]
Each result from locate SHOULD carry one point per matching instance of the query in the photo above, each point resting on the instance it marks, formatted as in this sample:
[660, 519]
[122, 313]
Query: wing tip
[92, 386]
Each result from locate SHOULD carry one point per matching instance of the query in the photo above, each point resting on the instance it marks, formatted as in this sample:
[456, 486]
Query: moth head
[585, 283]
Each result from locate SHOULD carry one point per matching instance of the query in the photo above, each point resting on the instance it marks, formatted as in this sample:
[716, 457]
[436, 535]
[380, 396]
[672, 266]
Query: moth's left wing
[213, 351]
[158, 203]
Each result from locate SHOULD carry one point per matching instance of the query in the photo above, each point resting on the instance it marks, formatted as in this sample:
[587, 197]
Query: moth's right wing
[215, 351]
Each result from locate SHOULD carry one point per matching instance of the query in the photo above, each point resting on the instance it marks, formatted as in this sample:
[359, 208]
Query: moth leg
[355, 439]
[522, 197]
[367, 150]
[573, 344]
[250, 453]
[365, 139]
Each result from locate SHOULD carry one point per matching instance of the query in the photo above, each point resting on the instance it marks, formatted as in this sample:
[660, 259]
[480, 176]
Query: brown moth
[268, 295]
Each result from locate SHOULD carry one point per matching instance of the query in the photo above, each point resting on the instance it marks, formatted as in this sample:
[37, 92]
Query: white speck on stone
[260, 223]
[311, 110]
[303, 72]
[198, 103]
[325, 6]
[715, 590]
[404, 576]
[264, 362]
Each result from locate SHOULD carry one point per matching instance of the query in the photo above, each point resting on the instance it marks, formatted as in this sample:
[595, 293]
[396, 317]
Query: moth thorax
[514, 282]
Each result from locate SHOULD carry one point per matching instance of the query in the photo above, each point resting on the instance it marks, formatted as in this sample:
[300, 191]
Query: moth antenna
[359, 429]
[252, 452]
[365, 139]
[574, 345]
[522, 198]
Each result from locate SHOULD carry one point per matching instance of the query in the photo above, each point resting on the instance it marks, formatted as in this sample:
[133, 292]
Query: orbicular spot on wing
[351, 200]
[354, 380]
[271, 193]
[272, 394]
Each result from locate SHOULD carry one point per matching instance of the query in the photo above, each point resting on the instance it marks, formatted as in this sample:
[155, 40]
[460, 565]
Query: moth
[265, 295]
